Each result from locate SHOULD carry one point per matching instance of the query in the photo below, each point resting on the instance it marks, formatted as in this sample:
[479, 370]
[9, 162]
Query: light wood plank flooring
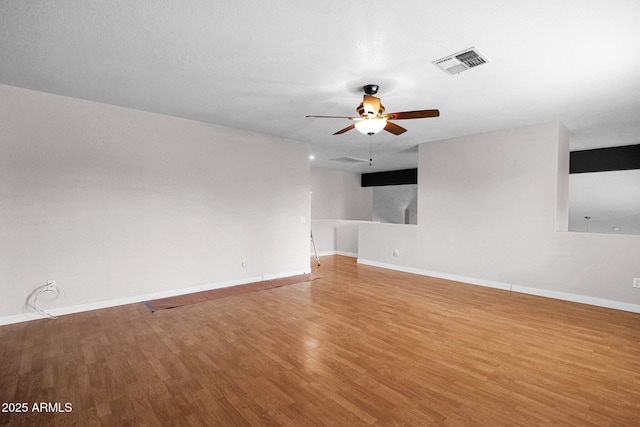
[359, 346]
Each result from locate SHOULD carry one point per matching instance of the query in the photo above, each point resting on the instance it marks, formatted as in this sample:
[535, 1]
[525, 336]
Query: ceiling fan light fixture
[372, 118]
[370, 126]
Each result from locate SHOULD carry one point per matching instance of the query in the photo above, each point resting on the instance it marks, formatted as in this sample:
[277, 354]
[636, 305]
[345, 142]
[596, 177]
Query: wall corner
[562, 178]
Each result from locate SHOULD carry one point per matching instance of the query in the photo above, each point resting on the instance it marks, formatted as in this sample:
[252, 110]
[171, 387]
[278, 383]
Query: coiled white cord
[32, 299]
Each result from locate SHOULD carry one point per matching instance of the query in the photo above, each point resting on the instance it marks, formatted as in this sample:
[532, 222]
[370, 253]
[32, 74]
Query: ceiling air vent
[461, 61]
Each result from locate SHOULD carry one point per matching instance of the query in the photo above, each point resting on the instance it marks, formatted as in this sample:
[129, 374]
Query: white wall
[338, 205]
[338, 195]
[395, 203]
[336, 237]
[611, 199]
[492, 210]
[114, 203]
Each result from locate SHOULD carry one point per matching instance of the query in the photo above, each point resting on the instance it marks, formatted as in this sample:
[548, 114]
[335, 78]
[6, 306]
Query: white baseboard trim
[599, 302]
[329, 253]
[582, 299]
[288, 274]
[446, 276]
[61, 311]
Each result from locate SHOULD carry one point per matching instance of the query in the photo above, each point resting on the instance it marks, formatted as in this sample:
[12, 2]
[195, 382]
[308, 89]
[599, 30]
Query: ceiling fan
[373, 118]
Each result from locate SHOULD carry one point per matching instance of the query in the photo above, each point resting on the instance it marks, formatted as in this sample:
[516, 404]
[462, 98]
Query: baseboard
[329, 253]
[61, 311]
[582, 299]
[446, 276]
[599, 302]
[288, 274]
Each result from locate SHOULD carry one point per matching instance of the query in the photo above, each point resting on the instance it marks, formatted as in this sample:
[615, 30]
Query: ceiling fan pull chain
[370, 149]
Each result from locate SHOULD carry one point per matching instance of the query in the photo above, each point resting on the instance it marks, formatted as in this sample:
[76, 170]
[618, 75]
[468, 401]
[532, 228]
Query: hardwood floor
[359, 346]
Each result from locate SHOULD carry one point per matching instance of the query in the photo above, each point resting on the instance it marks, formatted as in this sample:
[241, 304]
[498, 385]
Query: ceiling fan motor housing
[371, 89]
[370, 110]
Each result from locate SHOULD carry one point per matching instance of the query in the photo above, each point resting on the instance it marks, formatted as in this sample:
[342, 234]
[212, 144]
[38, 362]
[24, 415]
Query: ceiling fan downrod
[370, 89]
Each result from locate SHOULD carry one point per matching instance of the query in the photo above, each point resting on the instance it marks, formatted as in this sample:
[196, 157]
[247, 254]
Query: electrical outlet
[396, 252]
[636, 282]
[51, 285]
[244, 262]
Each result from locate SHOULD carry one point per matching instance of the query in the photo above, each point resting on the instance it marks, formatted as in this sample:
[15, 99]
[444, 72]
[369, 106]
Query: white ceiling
[263, 66]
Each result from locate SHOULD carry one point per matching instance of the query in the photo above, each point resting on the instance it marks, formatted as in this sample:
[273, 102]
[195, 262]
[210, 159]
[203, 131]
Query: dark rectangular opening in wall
[605, 159]
[398, 177]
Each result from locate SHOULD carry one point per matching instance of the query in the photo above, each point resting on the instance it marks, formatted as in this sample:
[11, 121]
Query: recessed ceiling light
[311, 157]
[616, 228]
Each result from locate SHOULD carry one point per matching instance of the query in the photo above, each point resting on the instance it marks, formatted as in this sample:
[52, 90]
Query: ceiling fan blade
[420, 114]
[335, 117]
[394, 128]
[348, 128]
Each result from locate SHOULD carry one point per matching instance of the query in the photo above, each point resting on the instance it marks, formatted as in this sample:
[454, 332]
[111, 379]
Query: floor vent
[461, 61]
